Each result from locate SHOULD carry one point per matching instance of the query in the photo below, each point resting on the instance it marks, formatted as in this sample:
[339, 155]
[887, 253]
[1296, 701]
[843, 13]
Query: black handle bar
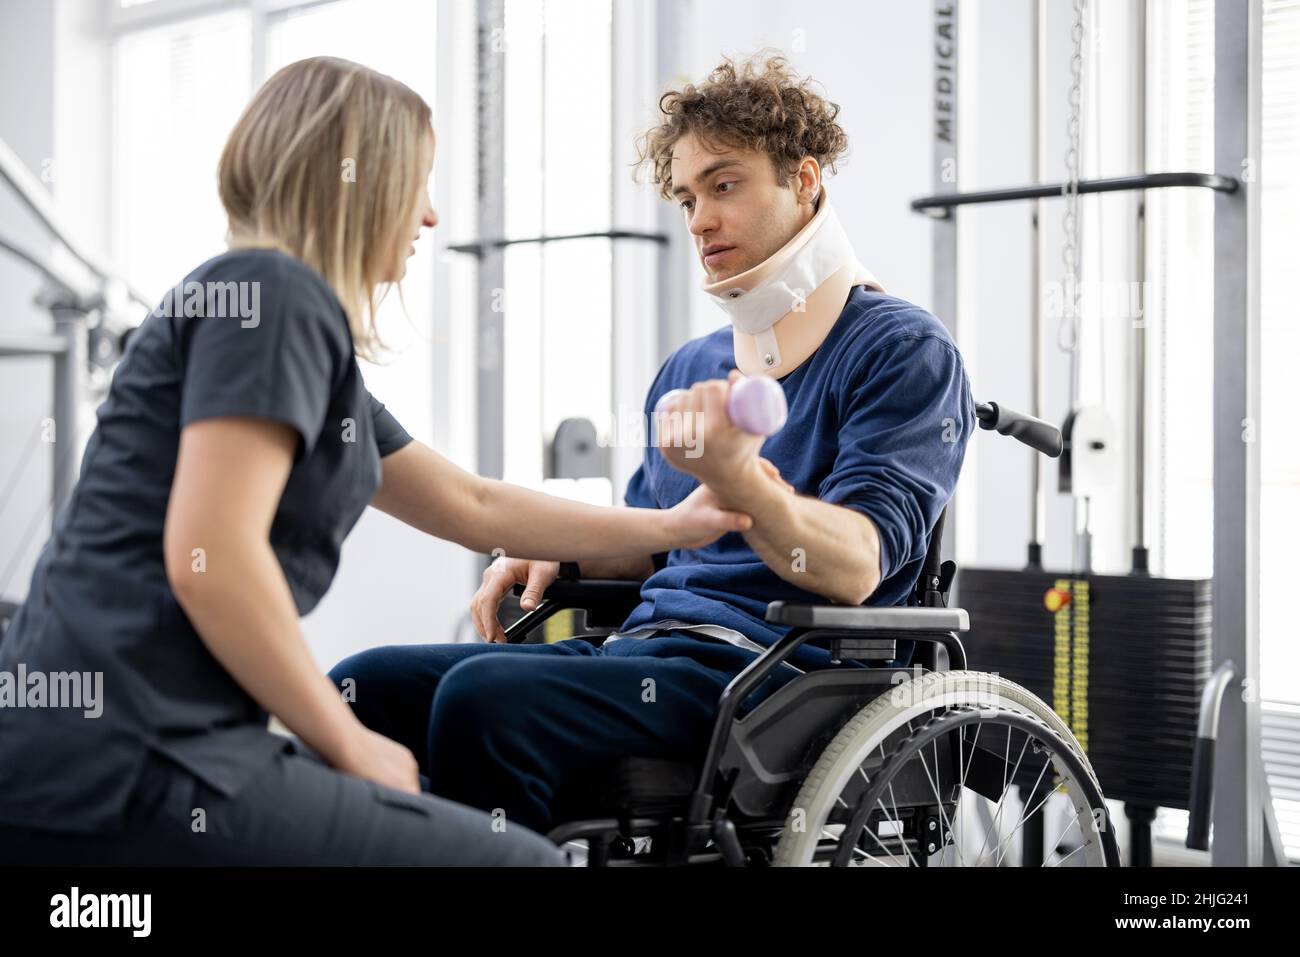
[1035, 433]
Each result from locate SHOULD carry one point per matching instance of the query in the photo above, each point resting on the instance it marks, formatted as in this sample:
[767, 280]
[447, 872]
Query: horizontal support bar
[941, 204]
[57, 278]
[32, 346]
[478, 247]
[32, 194]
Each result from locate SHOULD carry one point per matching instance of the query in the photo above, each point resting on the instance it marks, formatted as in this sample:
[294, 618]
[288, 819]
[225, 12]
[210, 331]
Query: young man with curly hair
[843, 498]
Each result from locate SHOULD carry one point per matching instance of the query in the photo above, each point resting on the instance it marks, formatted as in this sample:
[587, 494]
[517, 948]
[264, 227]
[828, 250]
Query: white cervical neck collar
[784, 285]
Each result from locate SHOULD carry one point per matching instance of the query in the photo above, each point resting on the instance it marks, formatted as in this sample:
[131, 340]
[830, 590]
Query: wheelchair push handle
[1035, 433]
[756, 404]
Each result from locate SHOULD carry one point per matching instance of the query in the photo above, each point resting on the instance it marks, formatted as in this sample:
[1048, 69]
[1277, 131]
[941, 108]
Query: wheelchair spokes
[952, 770]
[914, 803]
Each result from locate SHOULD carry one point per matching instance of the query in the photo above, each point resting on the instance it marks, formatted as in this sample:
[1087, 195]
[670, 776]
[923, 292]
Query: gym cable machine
[1130, 660]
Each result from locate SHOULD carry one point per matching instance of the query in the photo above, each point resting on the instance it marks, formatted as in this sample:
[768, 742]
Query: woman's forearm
[244, 613]
[428, 492]
[527, 524]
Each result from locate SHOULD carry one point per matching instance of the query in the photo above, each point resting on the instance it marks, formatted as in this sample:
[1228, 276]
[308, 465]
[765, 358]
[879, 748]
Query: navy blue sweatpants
[508, 728]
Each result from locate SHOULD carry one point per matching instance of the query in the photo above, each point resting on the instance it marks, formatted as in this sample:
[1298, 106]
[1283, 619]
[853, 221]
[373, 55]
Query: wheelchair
[859, 764]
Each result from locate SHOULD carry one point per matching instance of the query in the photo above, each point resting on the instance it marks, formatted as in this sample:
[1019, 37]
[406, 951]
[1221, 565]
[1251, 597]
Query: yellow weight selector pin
[1055, 599]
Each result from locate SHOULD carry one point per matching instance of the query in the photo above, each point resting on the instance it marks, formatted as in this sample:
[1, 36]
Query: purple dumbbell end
[757, 405]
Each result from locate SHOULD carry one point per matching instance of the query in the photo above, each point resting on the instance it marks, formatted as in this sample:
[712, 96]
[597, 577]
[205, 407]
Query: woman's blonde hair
[325, 164]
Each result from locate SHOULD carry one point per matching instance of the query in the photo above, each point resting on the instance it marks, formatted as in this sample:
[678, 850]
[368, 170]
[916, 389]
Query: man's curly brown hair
[761, 105]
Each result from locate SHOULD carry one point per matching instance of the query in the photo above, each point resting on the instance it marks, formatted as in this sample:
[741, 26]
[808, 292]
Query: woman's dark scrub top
[99, 598]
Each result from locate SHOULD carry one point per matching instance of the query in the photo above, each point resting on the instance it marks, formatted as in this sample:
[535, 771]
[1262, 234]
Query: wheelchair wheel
[945, 770]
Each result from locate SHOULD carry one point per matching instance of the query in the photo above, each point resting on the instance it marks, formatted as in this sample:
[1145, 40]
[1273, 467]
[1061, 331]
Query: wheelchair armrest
[860, 618]
[608, 602]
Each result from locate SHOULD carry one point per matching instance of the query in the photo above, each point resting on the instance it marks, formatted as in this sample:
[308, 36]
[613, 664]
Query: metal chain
[1068, 335]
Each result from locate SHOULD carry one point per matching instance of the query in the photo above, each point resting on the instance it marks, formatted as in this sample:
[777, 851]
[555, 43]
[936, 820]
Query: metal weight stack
[1121, 658]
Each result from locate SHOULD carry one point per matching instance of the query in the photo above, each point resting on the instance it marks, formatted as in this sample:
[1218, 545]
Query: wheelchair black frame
[606, 603]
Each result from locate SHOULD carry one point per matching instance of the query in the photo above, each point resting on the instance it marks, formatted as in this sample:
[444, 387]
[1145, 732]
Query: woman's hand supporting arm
[230, 473]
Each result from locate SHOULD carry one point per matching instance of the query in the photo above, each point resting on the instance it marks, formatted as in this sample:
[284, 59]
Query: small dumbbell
[756, 404]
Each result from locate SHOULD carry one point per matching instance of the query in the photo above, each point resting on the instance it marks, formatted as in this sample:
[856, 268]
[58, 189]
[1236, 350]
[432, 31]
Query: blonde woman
[237, 447]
